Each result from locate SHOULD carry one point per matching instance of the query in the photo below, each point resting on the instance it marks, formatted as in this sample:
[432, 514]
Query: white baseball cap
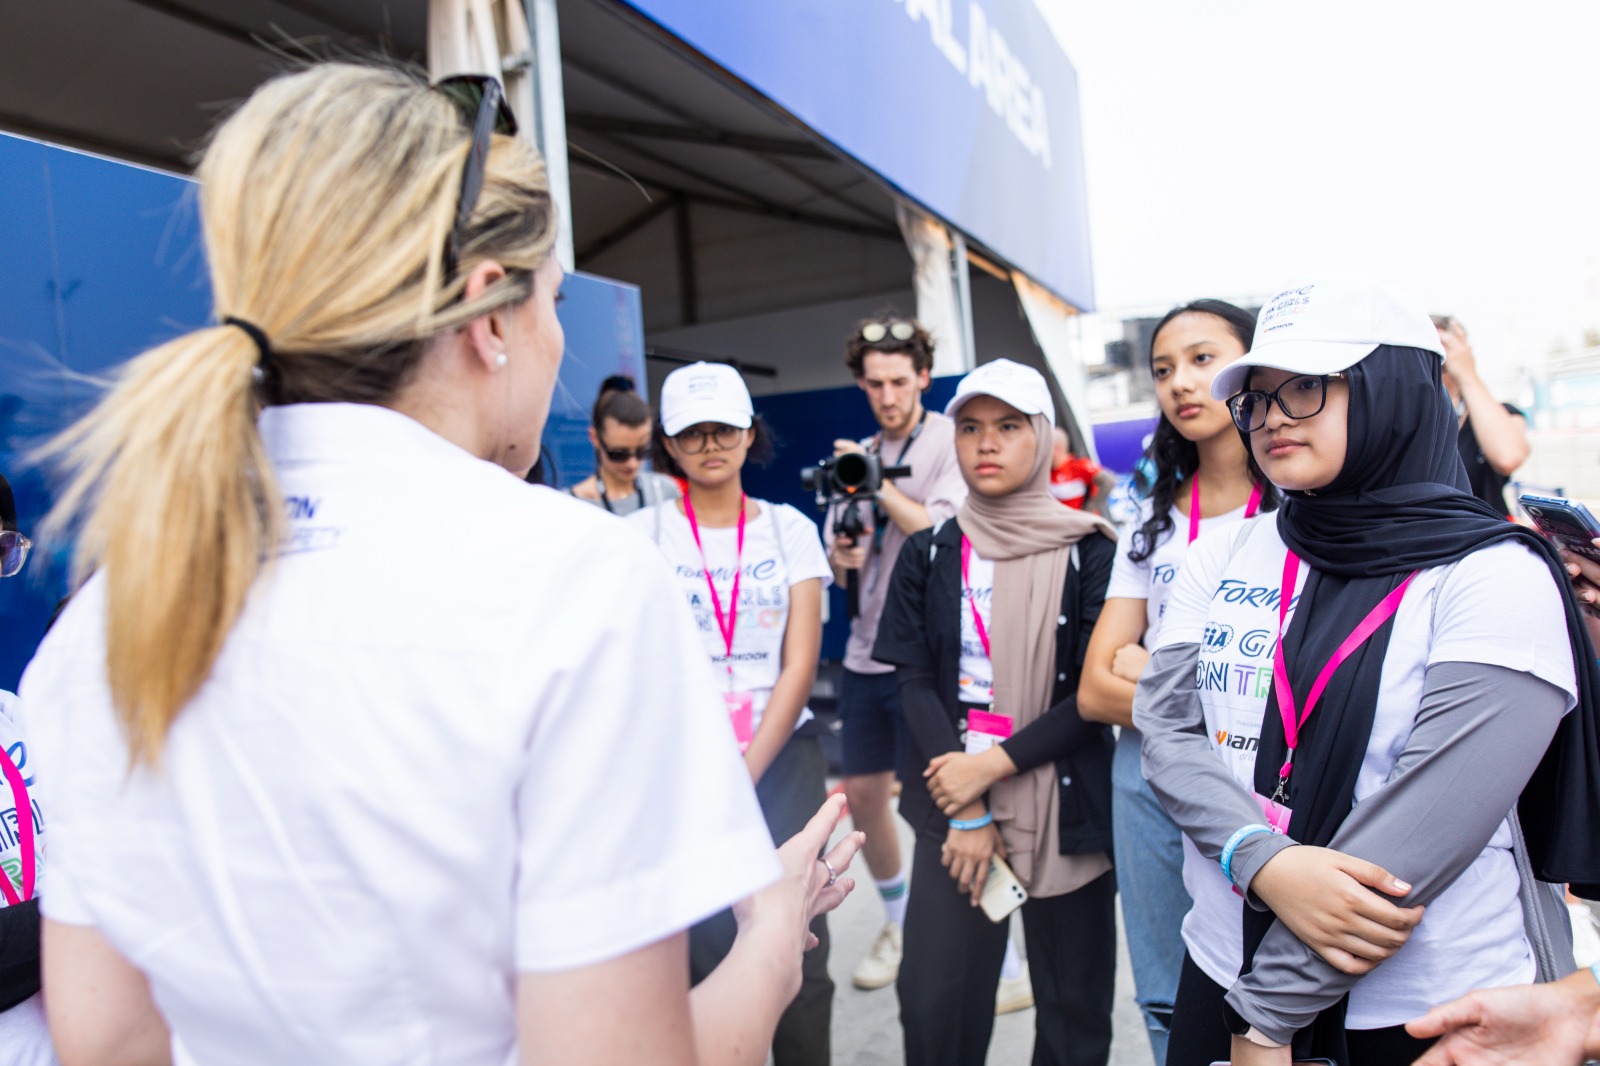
[1022, 387]
[1327, 326]
[704, 392]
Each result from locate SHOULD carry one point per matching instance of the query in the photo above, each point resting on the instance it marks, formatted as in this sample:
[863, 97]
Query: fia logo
[1217, 636]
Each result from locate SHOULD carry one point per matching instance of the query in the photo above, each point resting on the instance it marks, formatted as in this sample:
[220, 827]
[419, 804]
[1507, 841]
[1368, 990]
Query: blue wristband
[1239, 837]
[972, 823]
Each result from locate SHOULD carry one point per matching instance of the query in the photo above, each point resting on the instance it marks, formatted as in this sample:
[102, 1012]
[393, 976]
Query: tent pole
[963, 278]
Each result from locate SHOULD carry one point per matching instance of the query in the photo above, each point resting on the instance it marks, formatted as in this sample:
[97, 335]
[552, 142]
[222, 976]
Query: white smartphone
[1002, 892]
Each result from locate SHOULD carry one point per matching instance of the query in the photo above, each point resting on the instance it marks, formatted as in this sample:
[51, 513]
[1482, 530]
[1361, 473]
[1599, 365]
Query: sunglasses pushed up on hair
[897, 328]
[483, 107]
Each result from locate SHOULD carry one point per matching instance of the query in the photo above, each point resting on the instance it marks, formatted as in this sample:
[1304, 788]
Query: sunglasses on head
[483, 106]
[13, 552]
[898, 328]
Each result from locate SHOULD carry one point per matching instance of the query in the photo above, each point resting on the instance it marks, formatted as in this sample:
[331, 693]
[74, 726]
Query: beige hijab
[1029, 535]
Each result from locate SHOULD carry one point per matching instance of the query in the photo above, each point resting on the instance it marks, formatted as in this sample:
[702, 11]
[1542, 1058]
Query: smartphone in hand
[1566, 522]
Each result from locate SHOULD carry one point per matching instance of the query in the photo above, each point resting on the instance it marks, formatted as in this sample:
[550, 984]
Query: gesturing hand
[1553, 1024]
[802, 892]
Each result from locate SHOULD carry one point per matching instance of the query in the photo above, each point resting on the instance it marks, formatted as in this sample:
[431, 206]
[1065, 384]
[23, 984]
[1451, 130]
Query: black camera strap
[900, 460]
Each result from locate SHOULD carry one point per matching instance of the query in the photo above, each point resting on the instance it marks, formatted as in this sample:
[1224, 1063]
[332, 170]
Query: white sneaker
[1014, 994]
[882, 964]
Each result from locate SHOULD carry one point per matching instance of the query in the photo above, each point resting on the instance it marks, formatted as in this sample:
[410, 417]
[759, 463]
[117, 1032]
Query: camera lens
[851, 471]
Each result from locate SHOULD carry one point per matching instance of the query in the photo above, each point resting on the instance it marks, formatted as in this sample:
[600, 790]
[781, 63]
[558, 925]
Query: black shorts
[872, 731]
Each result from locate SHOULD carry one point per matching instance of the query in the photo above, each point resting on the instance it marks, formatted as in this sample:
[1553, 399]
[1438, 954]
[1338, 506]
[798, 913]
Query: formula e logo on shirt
[757, 571]
[1226, 739]
[1217, 636]
[1163, 574]
[1232, 590]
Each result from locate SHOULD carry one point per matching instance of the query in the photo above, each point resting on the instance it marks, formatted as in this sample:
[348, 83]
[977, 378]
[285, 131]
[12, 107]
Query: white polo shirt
[462, 730]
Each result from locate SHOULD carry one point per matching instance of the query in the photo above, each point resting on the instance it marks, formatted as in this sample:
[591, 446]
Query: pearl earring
[500, 360]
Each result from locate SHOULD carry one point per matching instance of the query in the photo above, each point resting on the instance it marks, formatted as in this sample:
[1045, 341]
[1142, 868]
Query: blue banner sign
[970, 107]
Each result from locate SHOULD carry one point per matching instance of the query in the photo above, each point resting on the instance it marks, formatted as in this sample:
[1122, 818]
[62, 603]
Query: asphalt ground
[866, 1025]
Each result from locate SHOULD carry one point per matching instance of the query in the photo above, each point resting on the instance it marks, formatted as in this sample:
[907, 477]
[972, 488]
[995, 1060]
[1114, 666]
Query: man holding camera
[892, 360]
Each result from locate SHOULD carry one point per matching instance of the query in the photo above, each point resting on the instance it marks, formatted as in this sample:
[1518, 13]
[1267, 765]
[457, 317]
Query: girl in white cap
[753, 574]
[333, 780]
[986, 623]
[1358, 709]
[1201, 480]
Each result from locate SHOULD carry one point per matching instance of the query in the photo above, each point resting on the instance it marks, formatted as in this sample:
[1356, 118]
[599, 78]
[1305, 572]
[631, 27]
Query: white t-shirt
[24, 1035]
[457, 734]
[781, 549]
[1497, 606]
[1151, 578]
[977, 672]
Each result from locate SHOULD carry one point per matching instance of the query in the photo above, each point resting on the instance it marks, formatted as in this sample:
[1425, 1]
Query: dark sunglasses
[1300, 397]
[483, 106]
[13, 552]
[622, 455]
[899, 329]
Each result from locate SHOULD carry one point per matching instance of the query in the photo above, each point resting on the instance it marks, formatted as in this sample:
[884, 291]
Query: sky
[1449, 148]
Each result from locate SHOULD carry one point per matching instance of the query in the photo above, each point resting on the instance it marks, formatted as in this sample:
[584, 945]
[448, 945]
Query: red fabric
[1073, 481]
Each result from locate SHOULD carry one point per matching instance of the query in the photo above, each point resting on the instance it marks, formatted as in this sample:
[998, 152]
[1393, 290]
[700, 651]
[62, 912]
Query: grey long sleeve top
[1479, 734]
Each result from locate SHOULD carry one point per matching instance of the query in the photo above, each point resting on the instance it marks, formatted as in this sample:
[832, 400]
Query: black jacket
[920, 634]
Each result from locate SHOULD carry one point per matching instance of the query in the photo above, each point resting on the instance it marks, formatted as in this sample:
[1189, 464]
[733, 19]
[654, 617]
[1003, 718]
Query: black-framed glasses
[1302, 396]
[898, 328]
[13, 552]
[622, 455]
[482, 104]
[692, 441]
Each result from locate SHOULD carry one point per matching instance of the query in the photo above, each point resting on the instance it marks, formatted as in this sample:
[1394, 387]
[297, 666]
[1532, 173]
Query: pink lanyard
[966, 586]
[1250, 508]
[1292, 724]
[19, 796]
[725, 623]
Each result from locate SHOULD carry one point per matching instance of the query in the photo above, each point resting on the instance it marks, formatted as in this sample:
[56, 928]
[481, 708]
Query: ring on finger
[833, 875]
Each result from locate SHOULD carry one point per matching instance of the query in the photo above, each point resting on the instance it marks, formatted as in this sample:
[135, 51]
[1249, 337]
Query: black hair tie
[263, 347]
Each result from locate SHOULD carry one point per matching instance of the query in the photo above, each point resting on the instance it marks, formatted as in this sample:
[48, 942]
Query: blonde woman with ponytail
[336, 777]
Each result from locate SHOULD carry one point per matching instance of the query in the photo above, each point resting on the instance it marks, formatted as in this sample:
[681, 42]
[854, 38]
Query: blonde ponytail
[325, 202]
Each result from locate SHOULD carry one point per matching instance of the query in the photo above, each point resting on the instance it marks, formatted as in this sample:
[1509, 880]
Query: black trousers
[951, 970]
[1200, 1034]
[791, 790]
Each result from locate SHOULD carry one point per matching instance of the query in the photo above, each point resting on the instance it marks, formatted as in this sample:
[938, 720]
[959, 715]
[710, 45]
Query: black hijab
[1402, 503]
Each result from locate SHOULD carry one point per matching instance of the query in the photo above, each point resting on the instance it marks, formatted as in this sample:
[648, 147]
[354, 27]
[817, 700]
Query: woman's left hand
[957, 779]
[1248, 1053]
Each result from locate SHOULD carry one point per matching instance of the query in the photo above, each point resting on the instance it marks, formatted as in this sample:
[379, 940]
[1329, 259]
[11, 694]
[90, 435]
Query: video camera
[851, 476]
[847, 481]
